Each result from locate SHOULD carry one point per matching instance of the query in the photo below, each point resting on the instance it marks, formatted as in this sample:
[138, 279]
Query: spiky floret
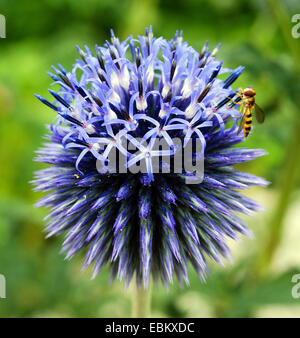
[147, 223]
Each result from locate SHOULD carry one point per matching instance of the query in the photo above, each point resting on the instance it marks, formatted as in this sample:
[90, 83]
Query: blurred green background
[253, 33]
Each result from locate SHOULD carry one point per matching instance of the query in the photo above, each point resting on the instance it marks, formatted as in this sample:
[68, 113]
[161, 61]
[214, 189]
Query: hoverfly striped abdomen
[247, 123]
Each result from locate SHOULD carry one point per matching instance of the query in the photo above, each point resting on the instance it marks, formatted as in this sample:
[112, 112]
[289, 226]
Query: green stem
[289, 179]
[141, 301]
[290, 173]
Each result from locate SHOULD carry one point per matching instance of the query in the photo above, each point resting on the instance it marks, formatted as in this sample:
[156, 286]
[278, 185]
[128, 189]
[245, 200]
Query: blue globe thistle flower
[147, 223]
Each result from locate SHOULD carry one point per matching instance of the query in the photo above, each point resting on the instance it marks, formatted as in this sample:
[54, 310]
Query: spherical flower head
[119, 197]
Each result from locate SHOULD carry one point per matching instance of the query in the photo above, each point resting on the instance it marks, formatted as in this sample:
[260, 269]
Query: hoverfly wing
[241, 124]
[259, 114]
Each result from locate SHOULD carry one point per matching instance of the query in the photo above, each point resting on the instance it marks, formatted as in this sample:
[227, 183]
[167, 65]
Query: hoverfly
[248, 104]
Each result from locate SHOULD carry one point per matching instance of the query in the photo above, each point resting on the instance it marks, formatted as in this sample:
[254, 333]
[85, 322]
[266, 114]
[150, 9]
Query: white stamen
[96, 146]
[111, 114]
[141, 104]
[165, 90]
[114, 80]
[187, 88]
[121, 79]
[114, 96]
[125, 78]
[150, 73]
[191, 110]
[90, 129]
[76, 114]
[162, 113]
[95, 110]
